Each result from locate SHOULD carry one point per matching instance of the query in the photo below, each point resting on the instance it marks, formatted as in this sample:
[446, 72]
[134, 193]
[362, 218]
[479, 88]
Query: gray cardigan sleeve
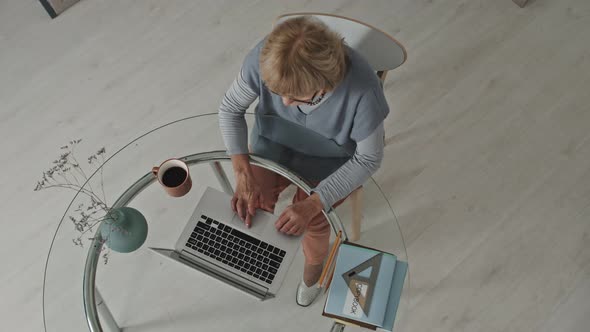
[356, 171]
[232, 123]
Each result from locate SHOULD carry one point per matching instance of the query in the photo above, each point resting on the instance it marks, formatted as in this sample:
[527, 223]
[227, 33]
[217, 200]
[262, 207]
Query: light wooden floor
[488, 145]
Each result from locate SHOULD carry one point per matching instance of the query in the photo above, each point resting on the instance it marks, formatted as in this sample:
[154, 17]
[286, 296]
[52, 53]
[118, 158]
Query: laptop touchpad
[258, 224]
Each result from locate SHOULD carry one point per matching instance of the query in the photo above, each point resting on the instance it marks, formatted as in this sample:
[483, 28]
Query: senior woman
[320, 110]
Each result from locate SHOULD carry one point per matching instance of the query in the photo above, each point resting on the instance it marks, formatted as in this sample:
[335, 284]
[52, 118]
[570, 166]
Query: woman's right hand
[248, 194]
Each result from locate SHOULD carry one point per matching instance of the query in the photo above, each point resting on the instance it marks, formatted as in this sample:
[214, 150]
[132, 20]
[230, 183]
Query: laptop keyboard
[237, 249]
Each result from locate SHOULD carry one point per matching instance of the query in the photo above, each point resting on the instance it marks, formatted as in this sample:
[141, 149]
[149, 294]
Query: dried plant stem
[92, 226]
[76, 187]
[76, 179]
[79, 169]
[61, 175]
[102, 181]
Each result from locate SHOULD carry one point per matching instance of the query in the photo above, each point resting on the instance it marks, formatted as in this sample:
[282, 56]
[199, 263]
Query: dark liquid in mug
[174, 176]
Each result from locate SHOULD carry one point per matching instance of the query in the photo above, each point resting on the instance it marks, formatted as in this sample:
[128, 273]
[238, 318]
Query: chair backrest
[381, 50]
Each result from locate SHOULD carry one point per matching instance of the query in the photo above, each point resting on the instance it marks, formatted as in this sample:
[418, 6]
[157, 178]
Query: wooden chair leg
[356, 198]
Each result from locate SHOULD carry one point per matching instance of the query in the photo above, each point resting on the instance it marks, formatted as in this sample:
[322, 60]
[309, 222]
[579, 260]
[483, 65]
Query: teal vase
[125, 230]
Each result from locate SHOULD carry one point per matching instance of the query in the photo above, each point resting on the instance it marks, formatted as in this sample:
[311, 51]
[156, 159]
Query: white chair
[382, 51]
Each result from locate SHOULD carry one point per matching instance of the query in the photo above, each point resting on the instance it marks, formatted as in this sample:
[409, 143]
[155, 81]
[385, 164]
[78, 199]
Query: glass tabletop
[145, 291]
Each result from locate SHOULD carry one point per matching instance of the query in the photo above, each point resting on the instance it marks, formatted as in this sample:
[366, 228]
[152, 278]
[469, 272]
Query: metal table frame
[94, 304]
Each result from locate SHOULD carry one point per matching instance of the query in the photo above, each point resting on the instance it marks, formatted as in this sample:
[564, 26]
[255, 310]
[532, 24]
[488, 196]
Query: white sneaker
[306, 295]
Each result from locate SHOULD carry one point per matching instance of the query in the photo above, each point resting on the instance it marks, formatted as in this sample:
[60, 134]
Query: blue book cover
[395, 295]
[370, 273]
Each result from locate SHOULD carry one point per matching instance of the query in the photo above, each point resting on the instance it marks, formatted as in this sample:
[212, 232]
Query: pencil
[332, 266]
[330, 258]
[330, 275]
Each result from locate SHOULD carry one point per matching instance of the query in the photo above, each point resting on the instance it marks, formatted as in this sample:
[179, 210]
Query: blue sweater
[338, 142]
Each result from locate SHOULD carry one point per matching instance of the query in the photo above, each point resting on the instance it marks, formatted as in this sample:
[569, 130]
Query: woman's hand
[248, 194]
[296, 217]
[247, 198]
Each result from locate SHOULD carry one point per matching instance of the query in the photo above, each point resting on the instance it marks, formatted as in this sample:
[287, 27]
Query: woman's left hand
[296, 217]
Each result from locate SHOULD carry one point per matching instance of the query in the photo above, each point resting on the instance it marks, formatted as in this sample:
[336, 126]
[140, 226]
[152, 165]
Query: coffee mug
[174, 176]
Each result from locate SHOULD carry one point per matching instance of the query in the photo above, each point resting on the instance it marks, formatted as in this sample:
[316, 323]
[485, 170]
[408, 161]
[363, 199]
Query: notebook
[366, 287]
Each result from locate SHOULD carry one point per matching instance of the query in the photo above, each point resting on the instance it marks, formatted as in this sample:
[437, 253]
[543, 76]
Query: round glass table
[90, 287]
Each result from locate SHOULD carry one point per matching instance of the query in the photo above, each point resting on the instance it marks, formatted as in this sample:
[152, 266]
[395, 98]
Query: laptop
[216, 241]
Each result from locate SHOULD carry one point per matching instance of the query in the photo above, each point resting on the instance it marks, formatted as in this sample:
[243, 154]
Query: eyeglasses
[314, 100]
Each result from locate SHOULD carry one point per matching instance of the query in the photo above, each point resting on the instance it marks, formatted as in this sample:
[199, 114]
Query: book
[395, 294]
[366, 287]
[361, 284]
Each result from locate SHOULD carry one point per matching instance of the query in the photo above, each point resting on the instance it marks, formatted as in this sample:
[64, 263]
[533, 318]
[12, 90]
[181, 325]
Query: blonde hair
[302, 56]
